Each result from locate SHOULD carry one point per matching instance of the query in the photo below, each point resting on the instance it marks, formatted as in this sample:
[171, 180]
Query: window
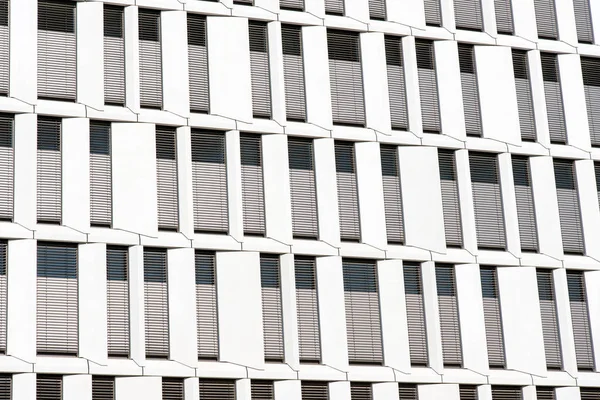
[396, 82]
[363, 324]
[407, 392]
[172, 389]
[450, 199]
[433, 12]
[334, 7]
[545, 15]
[360, 391]
[392, 194]
[467, 14]
[7, 157]
[415, 312]
[314, 390]
[4, 48]
[114, 55]
[57, 50]
[271, 307]
[492, 317]
[293, 72]
[506, 393]
[307, 308]
[156, 310]
[487, 201]
[209, 180]
[377, 9]
[151, 91]
[296, 5]
[428, 91]
[166, 178]
[590, 68]
[103, 388]
[49, 170]
[545, 284]
[448, 307]
[262, 390]
[468, 392]
[206, 305]
[568, 207]
[3, 299]
[49, 387]
[243, 2]
[589, 393]
[57, 299]
[305, 222]
[345, 77]
[554, 102]
[597, 174]
[217, 389]
[581, 320]
[524, 96]
[198, 63]
[504, 17]
[259, 69]
[100, 174]
[117, 296]
[525, 203]
[545, 393]
[347, 191]
[252, 184]
[583, 21]
[470, 92]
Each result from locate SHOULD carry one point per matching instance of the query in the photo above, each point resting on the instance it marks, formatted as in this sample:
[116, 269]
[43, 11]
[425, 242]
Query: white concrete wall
[147, 387]
[77, 387]
[136, 305]
[132, 60]
[406, 12]
[25, 175]
[23, 64]
[234, 185]
[434, 392]
[184, 181]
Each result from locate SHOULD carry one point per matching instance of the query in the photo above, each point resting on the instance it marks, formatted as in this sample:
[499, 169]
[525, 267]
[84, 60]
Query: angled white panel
[538, 96]
[529, 393]
[288, 308]
[465, 200]
[595, 14]
[90, 51]
[243, 389]
[432, 316]
[439, 391]
[588, 201]
[567, 393]
[316, 72]
[240, 309]
[524, 19]
[182, 303]
[385, 391]
[565, 322]
[134, 178]
[576, 118]
[484, 392]
[191, 387]
[132, 60]
[276, 70]
[91, 270]
[276, 175]
[406, 12]
[229, 67]
[21, 300]
[136, 304]
[509, 204]
[339, 390]
[394, 327]
[287, 390]
[75, 142]
[25, 178]
[374, 69]
[422, 198]
[77, 387]
[411, 80]
[521, 319]
[565, 19]
[497, 94]
[23, 386]
[326, 185]
[270, 5]
[176, 94]
[23, 63]
[592, 285]
[357, 9]
[142, 387]
[450, 89]
[447, 11]
[234, 185]
[184, 180]
[488, 11]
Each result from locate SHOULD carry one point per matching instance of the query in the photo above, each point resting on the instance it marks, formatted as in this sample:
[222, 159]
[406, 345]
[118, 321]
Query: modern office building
[300, 200]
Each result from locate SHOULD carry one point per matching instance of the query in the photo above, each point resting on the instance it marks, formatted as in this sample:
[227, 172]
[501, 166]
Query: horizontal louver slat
[433, 12]
[4, 48]
[524, 96]
[428, 90]
[117, 293]
[150, 59]
[49, 170]
[492, 317]
[415, 314]
[297, 5]
[6, 167]
[198, 63]
[271, 307]
[470, 92]
[545, 285]
[590, 68]
[506, 393]
[293, 72]
[307, 308]
[392, 194]
[253, 199]
[590, 393]
[448, 309]
[545, 15]
[525, 204]
[166, 178]
[103, 388]
[347, 191]
[554, 99]
[581, 322]
[467, 14]
[314, 390]
[545, 393]
[360, 391]
[377, 9]
[156, 311]
[504, 17]
[334, 7]
[206, 306]
[407, 392]
[303, 188]
[259, 70]
[396, 82]
[114, 55]
[568, 206]
[100, 174]
[172, 389]
[217, 389]
[48, 387]
[262, 390]
[583, 21]
[3, 300]
[450, 199]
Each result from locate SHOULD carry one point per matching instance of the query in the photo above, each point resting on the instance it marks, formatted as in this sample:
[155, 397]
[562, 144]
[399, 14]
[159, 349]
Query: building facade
[300, 199]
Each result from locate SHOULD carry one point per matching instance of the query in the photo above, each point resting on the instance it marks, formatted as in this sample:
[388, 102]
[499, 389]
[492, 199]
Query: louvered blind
[305, 223]
[396, 82]
[57, 50]
[554, 101]
[590, 68]
[545, 285]
[377, 9]
[217, 389]
[48, 387]
[583, 21]
[433, 12]
[334, 7]
[197, 62]
[448, 307]
[581, 321]
[5, 386]
[492, 317]
[259, 69]
[568, 206]
[407, 392]
[150, 59]
[114, 55]
[392, 194]
[545, 393]
[360, 391]
[363, 322]
[252, 184]
[156, 306]
[271, 307]
[100, 174]
[524, 96]
[504, 17]
[206, 305]
[467, 392]
[487, 201]
[525, 203]
[314, 390]
[507, 393]
[428, 90]
[3, 298]
[172, 389]
[467, 14]
[307, 308]
[470, 92]
[545, 15]
[450, 199]
[209, 179]
[49, 170]
[262, 390]
[590, 393]
[345, 76]
[6, 167]
[166, 178]
[293, 72]
[117, 296]
[347, 191]
[4, 48]
[415, 314]
[103, 388]
[296, 5]
[57, 299]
